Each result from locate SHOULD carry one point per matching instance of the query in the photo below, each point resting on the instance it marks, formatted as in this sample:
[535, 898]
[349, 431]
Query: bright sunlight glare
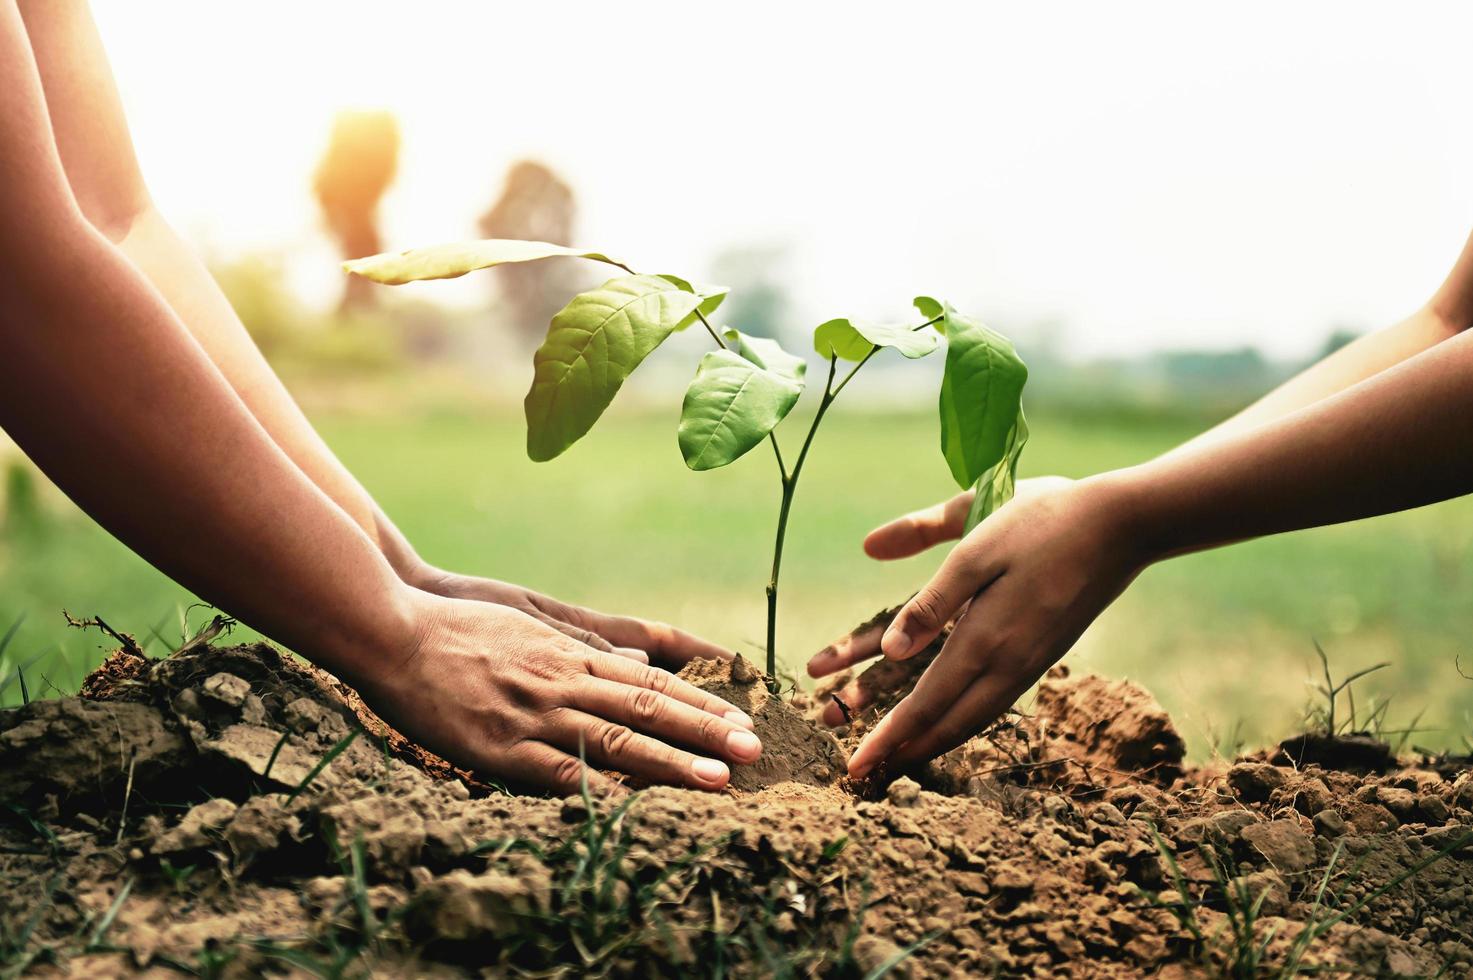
[1137, 173]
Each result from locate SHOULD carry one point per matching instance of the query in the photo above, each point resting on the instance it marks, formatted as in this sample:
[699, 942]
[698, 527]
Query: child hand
[903, 537]
[1022, 587]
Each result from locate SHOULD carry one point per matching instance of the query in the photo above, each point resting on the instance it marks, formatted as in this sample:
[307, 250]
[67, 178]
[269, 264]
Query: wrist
[1125, 502]
[391, 637]
[411, 569]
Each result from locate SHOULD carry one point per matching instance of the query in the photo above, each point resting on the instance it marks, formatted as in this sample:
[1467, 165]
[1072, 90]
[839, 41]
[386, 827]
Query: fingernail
[710, 770]
[739, 717]
[743, 744]
[859, 771]
[895, 643]
[633, 654]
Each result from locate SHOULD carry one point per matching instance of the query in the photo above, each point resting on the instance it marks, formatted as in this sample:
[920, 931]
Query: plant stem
[707, 324]
[789, 485]
[789, 480]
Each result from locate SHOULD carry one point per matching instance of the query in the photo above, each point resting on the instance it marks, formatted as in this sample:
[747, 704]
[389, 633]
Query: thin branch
[127, 642]
[781, 468]
[707, 324]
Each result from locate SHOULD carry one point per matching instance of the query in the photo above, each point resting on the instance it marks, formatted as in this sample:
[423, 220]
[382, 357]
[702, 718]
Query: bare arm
[110, 394]
[96, 150]
[1039, 571]
[1445, 315]
[107, 391]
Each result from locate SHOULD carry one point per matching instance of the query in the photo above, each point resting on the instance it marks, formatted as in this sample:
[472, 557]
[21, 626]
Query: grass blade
[100, 932]
[322, 764]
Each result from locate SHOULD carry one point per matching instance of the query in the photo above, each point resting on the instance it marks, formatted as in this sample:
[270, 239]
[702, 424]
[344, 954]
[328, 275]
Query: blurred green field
[1224, 639]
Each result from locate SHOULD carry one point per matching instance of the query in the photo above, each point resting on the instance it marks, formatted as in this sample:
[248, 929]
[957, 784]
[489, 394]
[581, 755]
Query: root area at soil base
[178, 819]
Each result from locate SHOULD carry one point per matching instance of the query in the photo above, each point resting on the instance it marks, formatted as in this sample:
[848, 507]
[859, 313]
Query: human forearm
[1363, 358]
[96, 149]
[107, 392]
[1445, 315]
[184, 282]
[1025, 583]
[1394, 441]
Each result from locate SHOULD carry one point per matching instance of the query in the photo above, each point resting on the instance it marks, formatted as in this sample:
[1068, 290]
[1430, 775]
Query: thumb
[922, 619]
[919, 530]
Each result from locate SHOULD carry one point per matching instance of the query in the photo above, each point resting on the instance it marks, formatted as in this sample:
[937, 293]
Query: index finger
[943, 682]
[846, 652]
[919, 530]
[660, 640]
[626, 671]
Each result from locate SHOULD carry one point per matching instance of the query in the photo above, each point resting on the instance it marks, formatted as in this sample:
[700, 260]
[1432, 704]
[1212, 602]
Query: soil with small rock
[177, 819]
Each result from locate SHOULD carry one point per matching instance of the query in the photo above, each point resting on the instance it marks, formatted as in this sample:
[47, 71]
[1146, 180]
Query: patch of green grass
[1240, 949]
[620, 524]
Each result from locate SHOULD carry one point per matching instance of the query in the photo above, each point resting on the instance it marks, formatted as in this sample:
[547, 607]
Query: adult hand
[636, 639]
[498, 691]
[1021, 588]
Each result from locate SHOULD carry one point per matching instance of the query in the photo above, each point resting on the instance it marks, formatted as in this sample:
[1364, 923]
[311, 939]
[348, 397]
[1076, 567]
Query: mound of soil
[212, 813]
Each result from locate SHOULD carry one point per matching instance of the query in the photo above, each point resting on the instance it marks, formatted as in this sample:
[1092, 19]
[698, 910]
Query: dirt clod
[1065, 842]
[793, 750]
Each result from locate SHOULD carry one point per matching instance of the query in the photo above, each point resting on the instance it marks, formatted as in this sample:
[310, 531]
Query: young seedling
[747, 385]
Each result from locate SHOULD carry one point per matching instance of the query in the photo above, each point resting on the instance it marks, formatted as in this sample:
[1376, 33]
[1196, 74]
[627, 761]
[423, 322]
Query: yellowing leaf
[458, 258]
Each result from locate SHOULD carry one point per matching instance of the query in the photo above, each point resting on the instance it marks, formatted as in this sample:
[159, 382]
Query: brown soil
[1029, 851]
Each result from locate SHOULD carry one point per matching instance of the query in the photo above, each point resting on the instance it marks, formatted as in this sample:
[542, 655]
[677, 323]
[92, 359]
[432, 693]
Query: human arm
[1447, 313]
[109, 393]
[1031, 578]
[96, 149]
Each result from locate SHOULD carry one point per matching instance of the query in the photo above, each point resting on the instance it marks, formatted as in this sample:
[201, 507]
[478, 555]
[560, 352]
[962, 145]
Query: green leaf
[853, 340]
[594, 343]
[981, 393]
[711, 297]
[731, 406]
[458, 258]
[995, 487]
[928, 307]
[768, 353]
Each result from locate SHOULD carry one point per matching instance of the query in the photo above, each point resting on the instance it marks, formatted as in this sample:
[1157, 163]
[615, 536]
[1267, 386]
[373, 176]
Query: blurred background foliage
[422, 401]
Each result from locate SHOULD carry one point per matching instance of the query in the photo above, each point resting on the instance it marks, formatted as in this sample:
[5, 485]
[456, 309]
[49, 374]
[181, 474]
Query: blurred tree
[759, 298]
[1193, 373]
[538, 205]
[359, 165]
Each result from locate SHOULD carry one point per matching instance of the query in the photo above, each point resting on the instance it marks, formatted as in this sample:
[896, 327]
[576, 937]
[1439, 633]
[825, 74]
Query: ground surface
[1223, 639]
[178, 818]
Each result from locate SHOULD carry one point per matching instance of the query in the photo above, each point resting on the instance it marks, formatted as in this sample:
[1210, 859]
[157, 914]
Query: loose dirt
[177, 818]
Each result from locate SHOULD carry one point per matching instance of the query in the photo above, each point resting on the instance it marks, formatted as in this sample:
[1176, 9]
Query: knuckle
[646, 706]
[657, 680]
[711, 730]
[614, 740]
[927, 609]
[524, 691]
[589, 638]
[568, 773]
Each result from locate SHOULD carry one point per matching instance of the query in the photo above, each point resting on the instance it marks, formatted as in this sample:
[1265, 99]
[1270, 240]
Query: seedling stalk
[742, 391]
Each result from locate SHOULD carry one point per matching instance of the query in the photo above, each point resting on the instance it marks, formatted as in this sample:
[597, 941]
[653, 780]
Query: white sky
[1151, 174]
